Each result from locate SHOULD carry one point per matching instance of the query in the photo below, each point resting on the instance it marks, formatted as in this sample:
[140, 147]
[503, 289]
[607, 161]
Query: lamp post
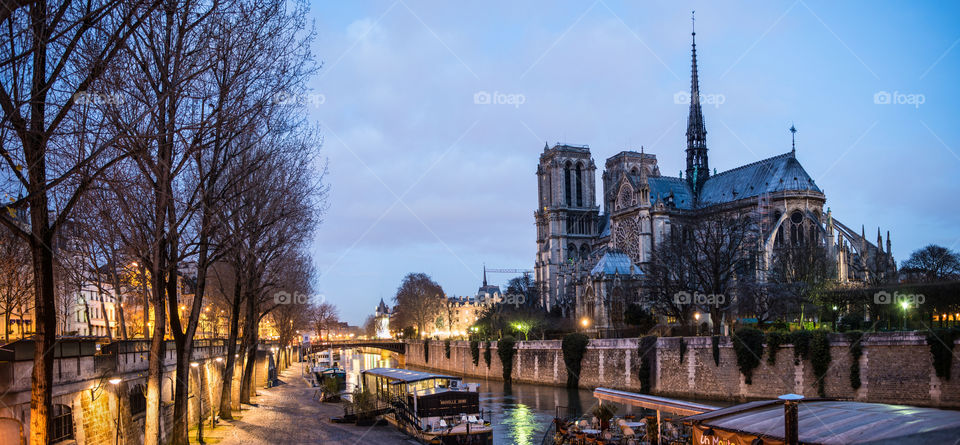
[199, 403]
[905, 305]
[115, 380]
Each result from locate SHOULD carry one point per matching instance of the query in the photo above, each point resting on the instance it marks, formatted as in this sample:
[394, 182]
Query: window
[566, 182]
[579, 185]
[138, 402]
[62, 423]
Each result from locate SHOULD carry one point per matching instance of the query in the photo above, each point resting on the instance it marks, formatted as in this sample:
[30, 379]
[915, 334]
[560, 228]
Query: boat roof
[838, 422]
[406, 375]
[681, 407]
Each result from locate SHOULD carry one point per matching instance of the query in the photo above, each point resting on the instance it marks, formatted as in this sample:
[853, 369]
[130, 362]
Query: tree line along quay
[156, 197]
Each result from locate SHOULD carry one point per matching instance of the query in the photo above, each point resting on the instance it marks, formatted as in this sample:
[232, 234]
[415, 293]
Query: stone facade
[894, 368]
[81, 387]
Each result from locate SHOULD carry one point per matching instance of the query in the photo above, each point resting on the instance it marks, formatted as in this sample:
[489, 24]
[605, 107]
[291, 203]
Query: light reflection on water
[519, 414]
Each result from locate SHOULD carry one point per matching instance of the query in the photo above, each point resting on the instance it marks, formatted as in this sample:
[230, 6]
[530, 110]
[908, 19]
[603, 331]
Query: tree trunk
[226, 392]
[250, 352]
[146, 302]
[151, 435]
[41, 396]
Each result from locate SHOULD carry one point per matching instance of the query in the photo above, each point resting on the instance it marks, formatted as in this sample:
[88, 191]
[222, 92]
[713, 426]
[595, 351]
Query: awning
[664, 404]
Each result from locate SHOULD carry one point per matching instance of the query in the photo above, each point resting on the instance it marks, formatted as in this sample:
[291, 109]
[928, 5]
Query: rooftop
[406, 375]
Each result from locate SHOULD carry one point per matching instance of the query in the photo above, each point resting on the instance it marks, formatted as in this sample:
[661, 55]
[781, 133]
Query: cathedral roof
[382, 307]
[777, 174]
[662, 187]
[615, 263]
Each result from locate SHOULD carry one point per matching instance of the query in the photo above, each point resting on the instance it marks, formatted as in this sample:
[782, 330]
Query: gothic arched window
[796, 228]
[579, 185]
[571, 252]
[566, 183]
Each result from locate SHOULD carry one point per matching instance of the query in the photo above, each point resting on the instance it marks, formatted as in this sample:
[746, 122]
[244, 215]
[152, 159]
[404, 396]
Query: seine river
[520, 415]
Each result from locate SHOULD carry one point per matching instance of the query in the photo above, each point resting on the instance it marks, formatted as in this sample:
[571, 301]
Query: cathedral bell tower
[566, 217]
[698, 169]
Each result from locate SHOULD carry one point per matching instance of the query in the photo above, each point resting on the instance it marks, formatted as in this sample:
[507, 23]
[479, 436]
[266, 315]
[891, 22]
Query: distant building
[462, 312]
[382, 317]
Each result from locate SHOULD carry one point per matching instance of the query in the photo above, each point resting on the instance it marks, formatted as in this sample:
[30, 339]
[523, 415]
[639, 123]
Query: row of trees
[146, 134]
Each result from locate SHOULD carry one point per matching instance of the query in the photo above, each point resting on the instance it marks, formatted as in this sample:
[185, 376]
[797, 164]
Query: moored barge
[434, 408]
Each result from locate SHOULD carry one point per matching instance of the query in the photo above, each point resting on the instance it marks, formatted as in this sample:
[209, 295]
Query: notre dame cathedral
[591, 263]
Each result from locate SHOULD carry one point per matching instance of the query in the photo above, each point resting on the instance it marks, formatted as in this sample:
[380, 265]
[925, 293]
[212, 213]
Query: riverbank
[893, 368]
[287, 414]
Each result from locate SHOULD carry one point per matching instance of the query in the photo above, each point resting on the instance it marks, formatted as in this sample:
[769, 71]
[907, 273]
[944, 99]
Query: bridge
[388, 344]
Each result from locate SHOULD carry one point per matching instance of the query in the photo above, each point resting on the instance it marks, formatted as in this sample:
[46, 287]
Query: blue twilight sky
[426, 180]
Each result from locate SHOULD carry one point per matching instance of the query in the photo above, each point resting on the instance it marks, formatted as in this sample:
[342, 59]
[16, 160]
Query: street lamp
[199, 403]
[115, 380]
[905, 305]
[585, 322]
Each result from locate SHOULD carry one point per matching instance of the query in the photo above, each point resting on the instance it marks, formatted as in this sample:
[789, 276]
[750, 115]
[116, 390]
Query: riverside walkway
[287, 414]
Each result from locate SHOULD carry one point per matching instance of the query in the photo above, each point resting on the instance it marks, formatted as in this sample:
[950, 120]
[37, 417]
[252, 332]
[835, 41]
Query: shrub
[856, 350]
[683, 349]
[506, 351]
[748, 345]
[647, 350]
[446, 348]
[574, 345]
[779, 325]
[801, 345]
[941, 347]
[486, 354]
[426, 350]
[820, 358]
[774, 340]
[475, 352]
[715, 344]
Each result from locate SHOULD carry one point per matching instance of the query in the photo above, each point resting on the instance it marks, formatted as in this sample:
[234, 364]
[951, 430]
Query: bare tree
[325, 319]
[933, 263]
[419, 300]
[52, 53]
[16, 281]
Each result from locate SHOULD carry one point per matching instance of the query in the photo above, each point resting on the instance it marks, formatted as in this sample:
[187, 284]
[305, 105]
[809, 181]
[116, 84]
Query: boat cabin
[434, 400]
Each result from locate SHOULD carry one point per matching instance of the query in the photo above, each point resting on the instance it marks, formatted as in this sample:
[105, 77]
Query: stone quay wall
[81, 384]
[894, 368]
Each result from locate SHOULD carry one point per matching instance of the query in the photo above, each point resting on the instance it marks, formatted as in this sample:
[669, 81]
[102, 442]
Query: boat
[434, 408]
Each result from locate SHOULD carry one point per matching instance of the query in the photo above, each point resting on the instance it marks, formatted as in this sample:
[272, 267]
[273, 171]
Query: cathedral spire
[793, 139]
[484, 275]
[698, 169]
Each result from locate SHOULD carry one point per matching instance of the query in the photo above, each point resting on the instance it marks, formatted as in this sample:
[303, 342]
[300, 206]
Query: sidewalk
[286, 414]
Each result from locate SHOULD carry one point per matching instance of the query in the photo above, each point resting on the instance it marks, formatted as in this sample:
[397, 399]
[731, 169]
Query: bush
[636, 316]
[647, 350]
[780, 325]
[820, 359]
[774, 340]
[574, 346]
[486, 354]
[683, 349]
[715, 344]
[856, 350]
[426, 350]
[446, 348]
[748, 345]
[506, 351]
[941, 347]
[801, 345]
[475, 352]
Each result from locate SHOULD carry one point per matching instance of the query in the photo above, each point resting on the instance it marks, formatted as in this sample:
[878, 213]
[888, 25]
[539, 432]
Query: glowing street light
[585, 322]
